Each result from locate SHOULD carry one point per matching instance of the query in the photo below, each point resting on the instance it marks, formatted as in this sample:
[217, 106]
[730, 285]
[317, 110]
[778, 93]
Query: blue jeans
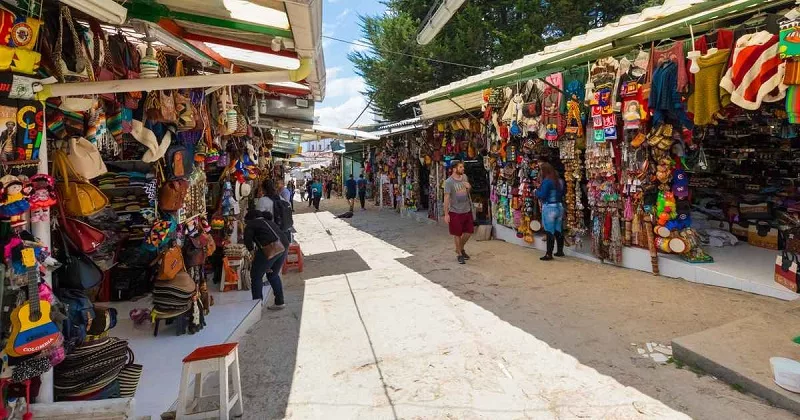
[552, 217]
[260, 266]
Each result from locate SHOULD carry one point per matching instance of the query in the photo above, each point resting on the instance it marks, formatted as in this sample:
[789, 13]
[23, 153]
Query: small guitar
[32, 330]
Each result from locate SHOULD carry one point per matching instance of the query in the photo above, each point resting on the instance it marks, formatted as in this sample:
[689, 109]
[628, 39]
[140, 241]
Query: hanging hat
[241, 190]
[251, 153]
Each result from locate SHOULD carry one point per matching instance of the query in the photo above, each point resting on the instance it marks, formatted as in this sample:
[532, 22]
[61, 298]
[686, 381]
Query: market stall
[131, 151]
[673, 132]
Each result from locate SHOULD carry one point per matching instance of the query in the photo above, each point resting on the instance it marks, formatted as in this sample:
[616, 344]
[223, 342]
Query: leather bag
[79, 271]
[85, 237]
[273, 249]
[171, 264]
[786, 270]
[80, 197]
[195, 250]
[85, 158]
[172, 195]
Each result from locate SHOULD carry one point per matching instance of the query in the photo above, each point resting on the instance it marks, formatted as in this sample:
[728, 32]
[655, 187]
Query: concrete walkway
[366, 336]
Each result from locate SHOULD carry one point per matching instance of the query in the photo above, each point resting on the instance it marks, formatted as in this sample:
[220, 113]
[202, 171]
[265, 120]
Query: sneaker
[546, 258]
[460, 259]
[464, 254]
[276, 307]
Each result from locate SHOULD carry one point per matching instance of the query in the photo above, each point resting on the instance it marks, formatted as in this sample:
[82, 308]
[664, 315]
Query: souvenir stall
[404, 163]
[680, 152]
[116, 206]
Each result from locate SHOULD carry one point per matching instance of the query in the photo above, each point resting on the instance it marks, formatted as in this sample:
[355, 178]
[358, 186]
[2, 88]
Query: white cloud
[331, 72]
[345, 86]
[360, 45]
[340, 17]
[342, 115]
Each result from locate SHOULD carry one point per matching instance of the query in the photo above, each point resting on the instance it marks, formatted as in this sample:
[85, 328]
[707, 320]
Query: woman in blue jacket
[551, 195]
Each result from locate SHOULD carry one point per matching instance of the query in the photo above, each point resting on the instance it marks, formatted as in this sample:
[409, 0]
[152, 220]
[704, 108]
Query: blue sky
[343, 102]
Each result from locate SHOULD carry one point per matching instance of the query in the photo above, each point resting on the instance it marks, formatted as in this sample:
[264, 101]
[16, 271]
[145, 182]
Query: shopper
[458, 204]
[292, 188]
[301, 185]
[362, 191]
[269, 193]
[328, 188]
[350, 192]
[551, 194]
[316, 193]
[259, 232]
[309, 191]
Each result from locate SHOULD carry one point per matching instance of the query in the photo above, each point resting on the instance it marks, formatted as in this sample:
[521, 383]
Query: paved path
[383, 324]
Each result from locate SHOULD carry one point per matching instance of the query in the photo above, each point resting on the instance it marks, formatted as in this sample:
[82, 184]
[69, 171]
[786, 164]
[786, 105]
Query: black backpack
[282, 214]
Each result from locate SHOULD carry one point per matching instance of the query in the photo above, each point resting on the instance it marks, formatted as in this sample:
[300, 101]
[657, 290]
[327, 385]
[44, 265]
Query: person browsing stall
[350, 191]
[551, 195]
[362, 191]
[458, 204]
[316, 193]
[259, 232]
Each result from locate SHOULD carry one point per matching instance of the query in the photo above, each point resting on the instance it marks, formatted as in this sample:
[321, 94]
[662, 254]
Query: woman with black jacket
[260, 231]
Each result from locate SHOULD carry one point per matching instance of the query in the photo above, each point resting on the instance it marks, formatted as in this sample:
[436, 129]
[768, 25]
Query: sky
[343, 100]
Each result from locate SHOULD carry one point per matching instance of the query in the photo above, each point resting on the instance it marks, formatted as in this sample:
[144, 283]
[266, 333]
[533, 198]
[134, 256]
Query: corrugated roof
[674, 12]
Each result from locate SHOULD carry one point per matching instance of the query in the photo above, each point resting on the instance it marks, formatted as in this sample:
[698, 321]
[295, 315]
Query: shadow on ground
[591, 311]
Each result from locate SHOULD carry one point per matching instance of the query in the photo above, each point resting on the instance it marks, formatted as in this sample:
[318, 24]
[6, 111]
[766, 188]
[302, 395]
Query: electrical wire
[363, 44]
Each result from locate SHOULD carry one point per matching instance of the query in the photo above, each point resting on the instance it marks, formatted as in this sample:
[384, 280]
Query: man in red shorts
[458, 205]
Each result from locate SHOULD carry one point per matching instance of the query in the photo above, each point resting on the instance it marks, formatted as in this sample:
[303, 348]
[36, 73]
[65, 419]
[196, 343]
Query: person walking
[259, 232]
[551, 194]
[309, 191]
[301, 185]
[458, 207]
[362, 191]
[292, 188]
[350, 192]
[316, 193]
[328, 188]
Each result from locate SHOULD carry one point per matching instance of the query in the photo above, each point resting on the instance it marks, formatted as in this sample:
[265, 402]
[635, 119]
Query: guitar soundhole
[35, 316]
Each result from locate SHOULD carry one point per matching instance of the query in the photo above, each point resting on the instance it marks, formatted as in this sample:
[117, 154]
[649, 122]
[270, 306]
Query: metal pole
[41, 230]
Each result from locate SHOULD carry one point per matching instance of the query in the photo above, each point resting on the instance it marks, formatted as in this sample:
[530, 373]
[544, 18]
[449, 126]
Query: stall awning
[400, 127]
[670, 19]
[234, 36]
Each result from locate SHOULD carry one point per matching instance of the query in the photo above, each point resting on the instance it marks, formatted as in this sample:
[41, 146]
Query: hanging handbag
[79, 196]
[786, 270]
[101, 63]
[83, 66]
[172, 195]
[272, 249]
[195, 250]
[79, 271]
[84, 236]
[85, 159]
[183, 105]
[171, 264]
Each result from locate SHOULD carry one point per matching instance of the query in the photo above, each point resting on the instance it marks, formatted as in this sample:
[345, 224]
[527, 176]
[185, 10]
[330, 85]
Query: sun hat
[145, 136]
[242, 190]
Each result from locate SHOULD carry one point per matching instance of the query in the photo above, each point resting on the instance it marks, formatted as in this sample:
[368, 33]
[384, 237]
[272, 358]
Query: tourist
[259, 232]
[362, 191]
[268, 194]
[328, 188]
[302, 185]
[292, 188]
[458, 204]
[551, 193]
[350, 191]
[316, 193]
[309, 191]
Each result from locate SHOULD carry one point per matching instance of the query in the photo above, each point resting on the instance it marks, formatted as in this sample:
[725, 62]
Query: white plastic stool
[203, 360]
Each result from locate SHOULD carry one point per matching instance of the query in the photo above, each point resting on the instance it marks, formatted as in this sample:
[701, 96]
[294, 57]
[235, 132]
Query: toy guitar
[32, 330]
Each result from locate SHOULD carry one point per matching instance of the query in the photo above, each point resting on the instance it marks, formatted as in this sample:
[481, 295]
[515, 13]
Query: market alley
[383, 323]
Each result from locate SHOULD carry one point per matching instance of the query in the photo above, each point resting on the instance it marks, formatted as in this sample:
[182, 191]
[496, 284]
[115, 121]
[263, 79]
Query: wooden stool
[205, 360]
[294, 249]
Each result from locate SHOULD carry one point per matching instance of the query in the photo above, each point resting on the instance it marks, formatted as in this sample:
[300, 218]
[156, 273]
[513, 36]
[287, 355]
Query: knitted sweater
[707, 98]
[756, 73]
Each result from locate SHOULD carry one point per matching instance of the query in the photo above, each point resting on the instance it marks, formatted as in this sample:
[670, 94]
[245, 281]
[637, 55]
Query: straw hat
[145, 136]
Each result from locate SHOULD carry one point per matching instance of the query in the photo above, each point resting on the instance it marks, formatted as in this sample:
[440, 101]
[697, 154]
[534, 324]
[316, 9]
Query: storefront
[672, 159]
[132, 149]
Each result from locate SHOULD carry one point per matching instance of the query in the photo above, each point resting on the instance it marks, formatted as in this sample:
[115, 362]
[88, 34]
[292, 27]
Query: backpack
[179, 162]
[282, 214]
[80, 313]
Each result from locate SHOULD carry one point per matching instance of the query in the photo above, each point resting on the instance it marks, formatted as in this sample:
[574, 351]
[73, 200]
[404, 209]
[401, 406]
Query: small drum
[662, 244]
[677, 245]
[661, 231]
[536, 225]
